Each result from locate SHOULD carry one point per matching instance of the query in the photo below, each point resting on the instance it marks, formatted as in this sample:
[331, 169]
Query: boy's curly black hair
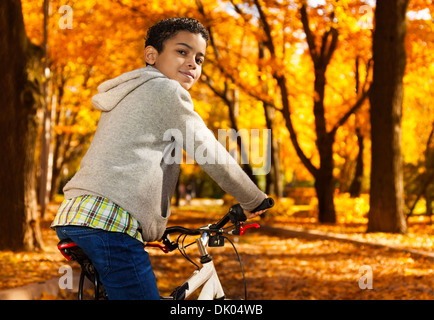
[167, 28]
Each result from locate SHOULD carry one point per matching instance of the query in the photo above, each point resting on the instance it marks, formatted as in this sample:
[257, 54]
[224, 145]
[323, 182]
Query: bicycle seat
[71, 251]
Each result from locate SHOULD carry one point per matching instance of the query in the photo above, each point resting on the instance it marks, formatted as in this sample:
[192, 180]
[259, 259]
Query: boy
[121, 195]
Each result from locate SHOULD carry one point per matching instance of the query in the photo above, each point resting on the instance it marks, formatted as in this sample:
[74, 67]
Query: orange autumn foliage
[106, 39]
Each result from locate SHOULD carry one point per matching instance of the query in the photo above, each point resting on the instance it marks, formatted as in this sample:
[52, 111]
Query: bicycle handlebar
[235, 215]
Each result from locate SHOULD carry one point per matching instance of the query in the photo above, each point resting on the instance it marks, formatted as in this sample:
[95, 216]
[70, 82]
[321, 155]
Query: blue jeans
[122, 263]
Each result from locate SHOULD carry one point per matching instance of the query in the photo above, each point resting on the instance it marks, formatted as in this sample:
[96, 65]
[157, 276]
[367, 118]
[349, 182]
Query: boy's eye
[199, 61]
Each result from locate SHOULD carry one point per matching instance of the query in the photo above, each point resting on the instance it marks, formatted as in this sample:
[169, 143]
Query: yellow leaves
[352, 210]
[70, 129]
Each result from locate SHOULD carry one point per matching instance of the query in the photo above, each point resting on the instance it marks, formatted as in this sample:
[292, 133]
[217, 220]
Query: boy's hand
[250, 215]
[265, 204]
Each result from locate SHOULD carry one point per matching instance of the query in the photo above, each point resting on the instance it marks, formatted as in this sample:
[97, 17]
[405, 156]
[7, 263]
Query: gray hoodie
[134, 157]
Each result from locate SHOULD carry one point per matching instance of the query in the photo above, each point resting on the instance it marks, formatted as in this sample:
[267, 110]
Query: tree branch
[332, 46]
[309, 36]
[267, 29]
[353, 109]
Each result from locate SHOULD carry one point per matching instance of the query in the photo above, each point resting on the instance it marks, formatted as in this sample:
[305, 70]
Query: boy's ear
[151, 55]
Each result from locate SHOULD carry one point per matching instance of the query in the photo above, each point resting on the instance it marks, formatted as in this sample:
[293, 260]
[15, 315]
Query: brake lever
[240, 228]
[163, 247]
[167, 245]
[243, 228]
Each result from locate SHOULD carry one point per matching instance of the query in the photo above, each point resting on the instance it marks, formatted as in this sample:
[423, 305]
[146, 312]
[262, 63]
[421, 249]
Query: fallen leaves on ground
[351, 214]
[21, 268]
[276, 265]
[279, 267]
[17, 269]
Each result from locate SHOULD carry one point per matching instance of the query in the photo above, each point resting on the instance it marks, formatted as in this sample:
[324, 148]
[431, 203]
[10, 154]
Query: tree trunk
[325, 182]
[356, 184]
[386, 200]
[232, 101]
[45, 152]
[274, 179]
[18, 130]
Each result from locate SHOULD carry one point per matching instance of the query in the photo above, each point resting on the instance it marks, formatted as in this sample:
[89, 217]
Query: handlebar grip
[266, 204]
[237, 213]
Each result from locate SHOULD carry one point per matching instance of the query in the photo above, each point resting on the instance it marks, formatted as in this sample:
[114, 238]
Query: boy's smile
[181, 58]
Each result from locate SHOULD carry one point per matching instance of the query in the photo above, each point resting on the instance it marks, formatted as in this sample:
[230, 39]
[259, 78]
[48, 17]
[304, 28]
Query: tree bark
[356, 184]
[274, 179]
[325, 182]
[386, 200]
[19, 61]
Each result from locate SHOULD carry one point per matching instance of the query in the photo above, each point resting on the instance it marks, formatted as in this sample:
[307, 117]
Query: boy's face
[181, 58]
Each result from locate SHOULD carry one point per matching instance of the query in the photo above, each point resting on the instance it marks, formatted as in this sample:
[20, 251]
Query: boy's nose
[192, 63]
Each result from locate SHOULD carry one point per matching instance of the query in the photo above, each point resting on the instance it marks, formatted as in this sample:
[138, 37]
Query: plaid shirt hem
[97, 212]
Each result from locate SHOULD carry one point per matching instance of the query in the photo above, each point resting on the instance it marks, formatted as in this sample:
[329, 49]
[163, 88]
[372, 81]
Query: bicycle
[212, 235]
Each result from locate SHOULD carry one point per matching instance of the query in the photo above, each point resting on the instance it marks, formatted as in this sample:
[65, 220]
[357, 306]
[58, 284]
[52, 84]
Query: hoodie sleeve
[201, 145]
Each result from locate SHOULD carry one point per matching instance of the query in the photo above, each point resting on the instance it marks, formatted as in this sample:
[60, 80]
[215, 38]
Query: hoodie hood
[113, 91]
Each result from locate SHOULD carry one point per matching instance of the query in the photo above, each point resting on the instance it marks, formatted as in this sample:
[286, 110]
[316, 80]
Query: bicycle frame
[211, 235]
[206, 276]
